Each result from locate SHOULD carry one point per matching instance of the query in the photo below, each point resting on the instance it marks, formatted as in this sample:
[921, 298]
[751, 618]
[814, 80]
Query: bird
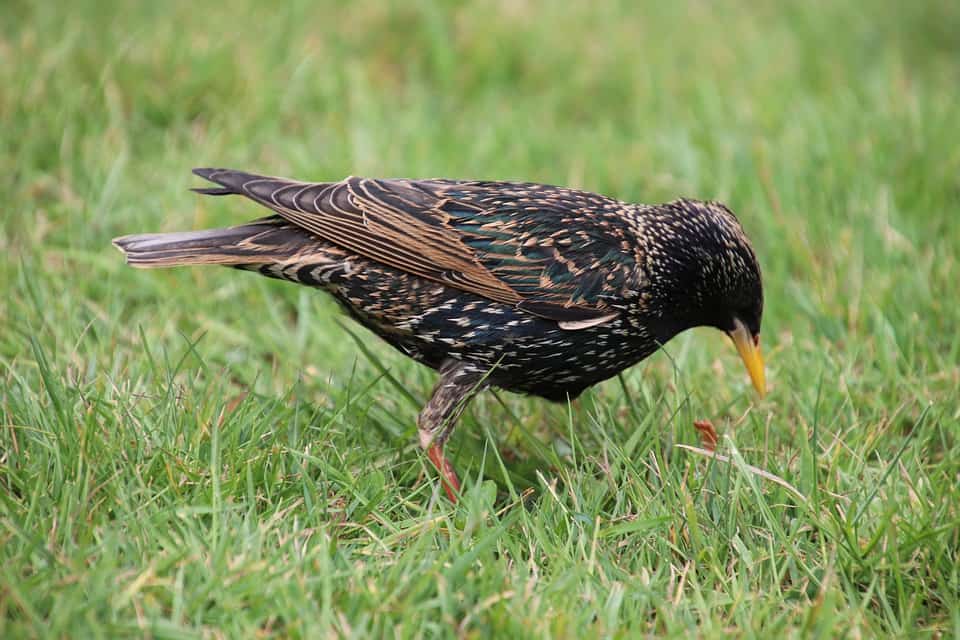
[530, 288]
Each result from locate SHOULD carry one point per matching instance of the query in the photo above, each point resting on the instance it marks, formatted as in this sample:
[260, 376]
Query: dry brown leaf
[708, 434]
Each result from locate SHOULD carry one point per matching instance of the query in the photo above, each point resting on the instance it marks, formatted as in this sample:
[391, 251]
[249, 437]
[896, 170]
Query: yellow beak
[749, 351]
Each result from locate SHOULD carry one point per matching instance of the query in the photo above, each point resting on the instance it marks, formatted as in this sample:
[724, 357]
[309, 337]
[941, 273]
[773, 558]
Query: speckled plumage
[527, 287]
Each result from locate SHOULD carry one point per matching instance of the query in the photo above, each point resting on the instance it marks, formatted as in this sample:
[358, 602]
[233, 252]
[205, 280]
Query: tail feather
[261, 241]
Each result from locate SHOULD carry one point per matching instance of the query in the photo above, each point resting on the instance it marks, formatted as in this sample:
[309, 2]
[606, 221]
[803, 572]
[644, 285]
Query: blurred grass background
[202, 453]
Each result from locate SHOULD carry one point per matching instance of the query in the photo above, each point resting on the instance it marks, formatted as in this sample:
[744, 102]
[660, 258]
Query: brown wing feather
[347, 215]
[401, 224]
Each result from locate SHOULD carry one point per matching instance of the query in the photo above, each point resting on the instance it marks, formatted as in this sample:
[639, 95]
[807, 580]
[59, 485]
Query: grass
[202, 453]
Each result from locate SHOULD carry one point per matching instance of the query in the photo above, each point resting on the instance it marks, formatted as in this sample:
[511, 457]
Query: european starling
[527, 287]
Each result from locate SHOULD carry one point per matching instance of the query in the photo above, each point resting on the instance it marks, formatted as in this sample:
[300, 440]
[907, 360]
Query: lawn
[205, 453]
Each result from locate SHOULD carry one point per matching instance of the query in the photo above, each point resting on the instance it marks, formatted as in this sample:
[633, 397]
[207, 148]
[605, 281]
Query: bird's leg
[458, 383]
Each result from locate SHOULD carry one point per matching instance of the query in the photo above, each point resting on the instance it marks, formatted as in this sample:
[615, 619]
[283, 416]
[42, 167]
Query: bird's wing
[556, 253]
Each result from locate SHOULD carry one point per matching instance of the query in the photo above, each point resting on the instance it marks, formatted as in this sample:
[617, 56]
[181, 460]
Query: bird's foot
[451, 484]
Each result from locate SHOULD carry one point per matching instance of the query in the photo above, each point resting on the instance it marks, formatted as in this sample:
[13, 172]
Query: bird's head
[699, 269]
